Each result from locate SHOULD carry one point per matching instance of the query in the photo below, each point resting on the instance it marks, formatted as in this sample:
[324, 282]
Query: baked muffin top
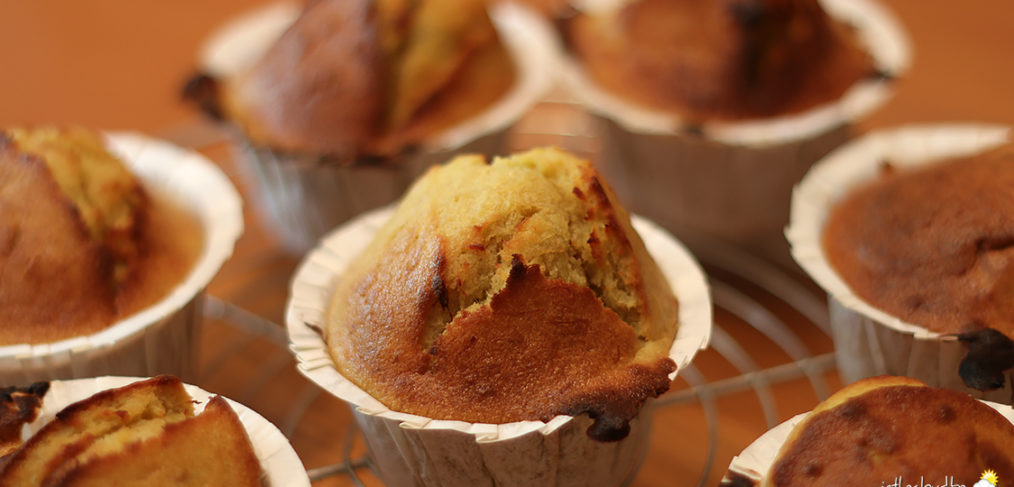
[82, 243]
[878, 429]
[720, 60]
[507, 291]
[932, 246]
[353, 78]
[145, 433]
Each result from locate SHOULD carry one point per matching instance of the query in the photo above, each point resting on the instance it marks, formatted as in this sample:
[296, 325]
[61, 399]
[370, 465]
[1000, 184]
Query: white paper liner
[414, 450]
[756, 460]
[303, 198]
[279, 462]
[869, 341]
[163, 337]
[732, 180]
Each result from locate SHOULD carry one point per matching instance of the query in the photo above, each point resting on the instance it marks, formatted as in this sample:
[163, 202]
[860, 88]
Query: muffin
[725, 60]
[103, 251]
[357, 94]
[158, 431]
[71, 209]
[532, 249]
[712, 110]
[932, 245]
[511, 306]
[907, 230]
[882, 430]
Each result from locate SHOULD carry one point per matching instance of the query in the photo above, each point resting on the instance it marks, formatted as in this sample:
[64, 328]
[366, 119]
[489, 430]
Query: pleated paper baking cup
[732, 180]
[303, 197]
[162, 338]
[280, 465]
[867, 340]
[754, 462]
[411, 450]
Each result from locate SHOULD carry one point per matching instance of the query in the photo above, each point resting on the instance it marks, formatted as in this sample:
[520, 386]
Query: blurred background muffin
[352, 79]
[356, 98]
[106, 244]
[84, 244]
[712, 110]
[908, 231]
[730, 59]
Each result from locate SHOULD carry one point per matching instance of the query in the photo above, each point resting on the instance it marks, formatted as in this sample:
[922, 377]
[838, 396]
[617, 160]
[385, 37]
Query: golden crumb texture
[145, 433]
[505, 291]
[878, 429]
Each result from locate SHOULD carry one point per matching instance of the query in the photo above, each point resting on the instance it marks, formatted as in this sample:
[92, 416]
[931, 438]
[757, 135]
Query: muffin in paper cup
[302, 197]
[280, 465]
[869, 341]
[755, 461]
[162, 338]
[414, 450]
[731, 180]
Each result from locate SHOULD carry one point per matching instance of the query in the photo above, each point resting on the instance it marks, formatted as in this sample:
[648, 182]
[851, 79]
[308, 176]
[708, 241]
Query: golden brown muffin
[878, 429]
[507, 291]
[932, 246]
[364, 77]
[717, 60]
[82, 244]
[141, 434]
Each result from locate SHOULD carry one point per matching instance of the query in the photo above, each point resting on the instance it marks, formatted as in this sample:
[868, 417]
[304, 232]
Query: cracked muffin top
[933, 246]
[720, 60]
[82, 243]
[358, 78]
[881, 428]
[505, 291]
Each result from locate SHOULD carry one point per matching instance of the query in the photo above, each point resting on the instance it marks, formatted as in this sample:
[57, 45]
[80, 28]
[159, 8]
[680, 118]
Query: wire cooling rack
[770, 355]
[748, 293]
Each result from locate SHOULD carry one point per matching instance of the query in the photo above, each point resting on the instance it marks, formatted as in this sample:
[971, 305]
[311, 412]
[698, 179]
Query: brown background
[119, 64]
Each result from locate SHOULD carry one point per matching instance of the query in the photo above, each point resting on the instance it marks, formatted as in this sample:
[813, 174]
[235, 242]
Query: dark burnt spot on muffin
[945, 414]
[853, 410]
[813, 469]
[990, 355]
